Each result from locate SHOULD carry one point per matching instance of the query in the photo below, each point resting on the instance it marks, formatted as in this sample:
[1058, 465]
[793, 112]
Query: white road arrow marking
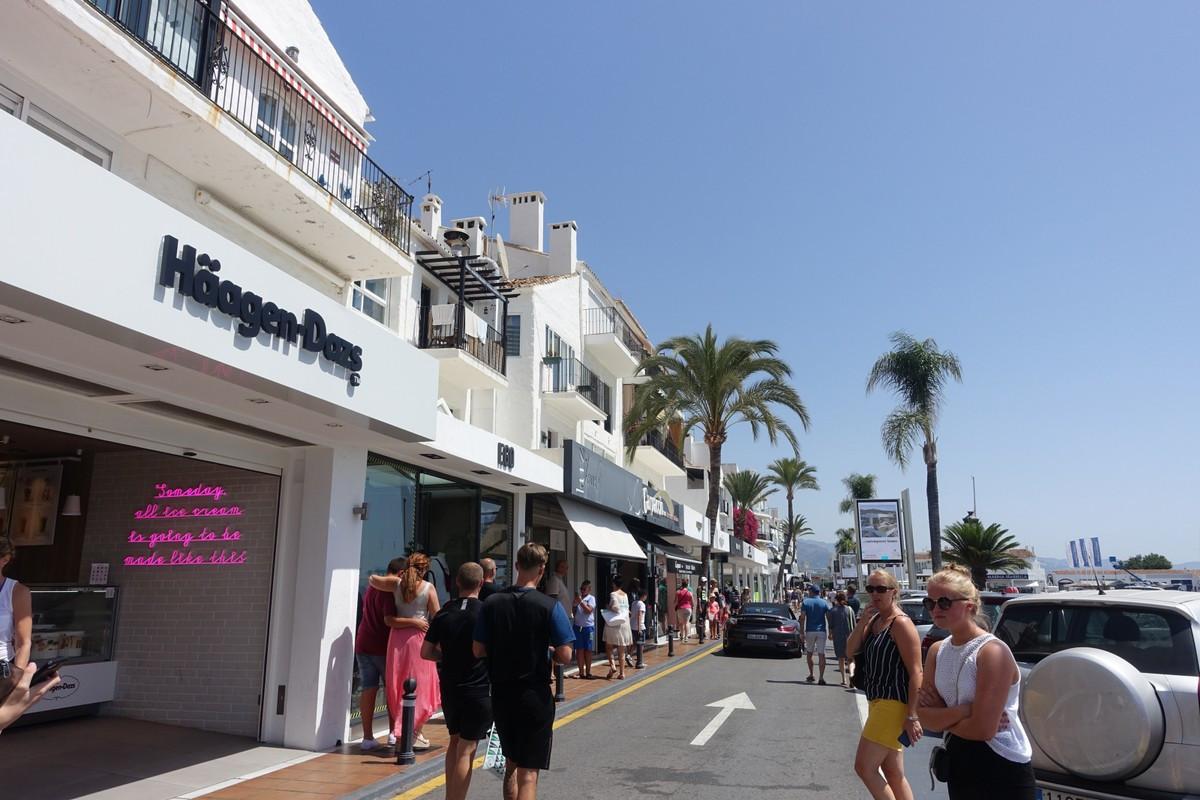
[727, 706]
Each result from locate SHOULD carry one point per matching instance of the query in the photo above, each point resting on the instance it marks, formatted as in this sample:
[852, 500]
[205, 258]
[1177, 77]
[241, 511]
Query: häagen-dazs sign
[195, 275]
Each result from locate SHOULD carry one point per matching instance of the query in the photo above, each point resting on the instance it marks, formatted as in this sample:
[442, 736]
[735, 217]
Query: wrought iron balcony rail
[452, 326]
[663, 444]
[562, 374]
[609, 320]
[215, 53]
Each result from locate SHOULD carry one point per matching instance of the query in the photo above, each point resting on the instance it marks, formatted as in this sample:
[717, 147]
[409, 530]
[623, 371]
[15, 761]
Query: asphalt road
[799, 741]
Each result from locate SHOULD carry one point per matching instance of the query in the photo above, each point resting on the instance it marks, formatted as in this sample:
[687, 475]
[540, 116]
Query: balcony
[201, 93]
[657, 452]
[611, 341]
[473, 352]
[573, 392]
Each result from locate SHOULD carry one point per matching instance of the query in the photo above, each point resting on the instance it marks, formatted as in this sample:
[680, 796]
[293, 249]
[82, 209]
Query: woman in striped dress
[892, 672]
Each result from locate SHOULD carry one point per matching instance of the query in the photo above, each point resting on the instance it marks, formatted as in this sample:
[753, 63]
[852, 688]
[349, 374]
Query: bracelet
[912, 719]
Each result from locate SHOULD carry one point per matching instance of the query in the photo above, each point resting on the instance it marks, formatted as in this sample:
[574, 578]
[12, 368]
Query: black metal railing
[560, 374]
[608, 320]
[194, 41]
[661, 442]
[454, 327]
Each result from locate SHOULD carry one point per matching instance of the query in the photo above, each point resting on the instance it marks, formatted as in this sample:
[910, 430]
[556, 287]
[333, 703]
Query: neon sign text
[180, 540]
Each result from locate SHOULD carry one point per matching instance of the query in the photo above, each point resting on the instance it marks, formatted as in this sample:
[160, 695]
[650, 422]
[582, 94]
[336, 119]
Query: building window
[512, 336]
[276, 125]
[371, 298]
[65, 135]
[10, 101]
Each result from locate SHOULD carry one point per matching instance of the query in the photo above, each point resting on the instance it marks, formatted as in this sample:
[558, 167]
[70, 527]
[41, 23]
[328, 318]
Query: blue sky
[1020, 181]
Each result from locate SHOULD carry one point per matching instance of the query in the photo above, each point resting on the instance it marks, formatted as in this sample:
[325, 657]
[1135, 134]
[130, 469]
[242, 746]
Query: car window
[1154, 641]
[917, 611]
[771, 609]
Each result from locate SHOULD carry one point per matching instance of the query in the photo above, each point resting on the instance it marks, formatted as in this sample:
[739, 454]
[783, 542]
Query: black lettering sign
[506, 456]
[195, 275]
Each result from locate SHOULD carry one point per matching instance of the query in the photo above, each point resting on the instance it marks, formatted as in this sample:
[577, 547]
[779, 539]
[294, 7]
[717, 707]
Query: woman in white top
[971, 690]
[16, 618]
[416, 603]
[617, 633]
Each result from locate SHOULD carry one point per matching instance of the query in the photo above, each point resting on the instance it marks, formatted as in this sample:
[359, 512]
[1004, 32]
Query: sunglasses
[873, 589]
[944, 603]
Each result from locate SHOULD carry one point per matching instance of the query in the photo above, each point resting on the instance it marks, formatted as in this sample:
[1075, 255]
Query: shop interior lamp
[71, 506]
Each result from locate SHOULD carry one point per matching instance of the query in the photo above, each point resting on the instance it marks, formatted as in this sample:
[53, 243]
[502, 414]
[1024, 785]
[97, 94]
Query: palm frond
[976, 547]
[748, 488]
[902, 430]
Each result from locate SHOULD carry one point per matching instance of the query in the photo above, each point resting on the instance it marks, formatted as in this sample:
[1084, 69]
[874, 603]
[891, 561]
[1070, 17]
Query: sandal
[420, 743]
[610, 674]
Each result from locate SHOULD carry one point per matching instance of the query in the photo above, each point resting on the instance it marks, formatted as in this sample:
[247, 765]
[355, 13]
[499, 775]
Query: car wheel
[1073, 695]
[727, 648]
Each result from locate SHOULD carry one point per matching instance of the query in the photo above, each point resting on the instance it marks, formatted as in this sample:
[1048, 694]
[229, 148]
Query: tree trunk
[979, 577]
[788, 538]
[714, 492]
[935, 516]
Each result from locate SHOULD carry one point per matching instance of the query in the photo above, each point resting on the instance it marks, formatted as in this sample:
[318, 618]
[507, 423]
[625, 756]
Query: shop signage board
[196, 276]
[118, 301]
[879, 531]
[590, 476]
[681, 567]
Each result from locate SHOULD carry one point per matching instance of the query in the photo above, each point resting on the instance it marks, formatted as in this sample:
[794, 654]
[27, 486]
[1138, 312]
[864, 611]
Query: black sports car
[764, 626]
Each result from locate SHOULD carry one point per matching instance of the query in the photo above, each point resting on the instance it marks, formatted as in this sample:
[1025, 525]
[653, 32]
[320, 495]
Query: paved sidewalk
[348, 771]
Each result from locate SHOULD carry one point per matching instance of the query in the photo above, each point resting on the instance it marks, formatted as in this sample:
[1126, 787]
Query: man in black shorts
[516, 631]
[466, 703]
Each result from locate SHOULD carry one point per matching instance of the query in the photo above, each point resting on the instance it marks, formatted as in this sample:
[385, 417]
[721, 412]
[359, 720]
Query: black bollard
[404, 748]
[670, 642]
[560, 694]
[638, 662]
[700, 620]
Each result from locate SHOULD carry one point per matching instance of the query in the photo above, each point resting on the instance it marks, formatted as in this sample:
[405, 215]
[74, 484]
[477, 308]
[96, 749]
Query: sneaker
[391, 740]
[368, 744]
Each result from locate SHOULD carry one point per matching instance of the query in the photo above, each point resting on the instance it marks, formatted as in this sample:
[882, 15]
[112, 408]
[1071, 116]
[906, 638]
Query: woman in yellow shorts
[892, 672]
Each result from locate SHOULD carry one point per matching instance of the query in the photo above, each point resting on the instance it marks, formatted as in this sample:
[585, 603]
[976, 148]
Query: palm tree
[917, 372]
[747, 489]
[858, 487]
[714, 385]
[981, 549]
[791, 474]
[797, 526]
[846, 541]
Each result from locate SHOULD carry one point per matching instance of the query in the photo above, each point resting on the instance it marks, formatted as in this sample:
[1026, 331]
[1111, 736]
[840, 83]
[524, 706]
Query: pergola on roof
[470, 277]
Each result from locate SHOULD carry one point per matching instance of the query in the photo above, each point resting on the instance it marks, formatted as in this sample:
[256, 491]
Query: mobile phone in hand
[47, 671]
[903, 739]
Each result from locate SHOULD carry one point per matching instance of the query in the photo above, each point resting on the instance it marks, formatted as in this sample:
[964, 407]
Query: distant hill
[1188, 565]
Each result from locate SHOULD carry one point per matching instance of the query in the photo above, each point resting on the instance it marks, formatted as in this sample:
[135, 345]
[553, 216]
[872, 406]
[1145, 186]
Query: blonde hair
[957, 578]
[888, 578]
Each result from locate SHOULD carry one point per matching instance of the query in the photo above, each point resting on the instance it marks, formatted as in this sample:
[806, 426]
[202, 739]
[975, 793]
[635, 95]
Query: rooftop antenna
[428, 176]
[496, 197]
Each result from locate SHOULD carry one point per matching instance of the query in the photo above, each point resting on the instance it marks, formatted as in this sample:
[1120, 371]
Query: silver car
[920, 617]
[1111, 692]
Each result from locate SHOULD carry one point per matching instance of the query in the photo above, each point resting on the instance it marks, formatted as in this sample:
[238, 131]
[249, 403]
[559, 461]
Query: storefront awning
[602, 533]
[679, 561]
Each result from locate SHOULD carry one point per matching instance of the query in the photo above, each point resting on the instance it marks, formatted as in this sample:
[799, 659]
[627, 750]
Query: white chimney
[473, 227]
[526, 219]
[431, 214]
[564, 250]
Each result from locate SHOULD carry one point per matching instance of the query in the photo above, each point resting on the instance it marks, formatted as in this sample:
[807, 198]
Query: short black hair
[397, 565]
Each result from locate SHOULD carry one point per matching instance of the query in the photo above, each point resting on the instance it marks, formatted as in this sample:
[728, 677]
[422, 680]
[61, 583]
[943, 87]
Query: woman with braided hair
[416, 604]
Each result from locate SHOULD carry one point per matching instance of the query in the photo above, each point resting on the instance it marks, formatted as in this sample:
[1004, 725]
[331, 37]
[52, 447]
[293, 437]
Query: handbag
[614, 617]
[939, 757]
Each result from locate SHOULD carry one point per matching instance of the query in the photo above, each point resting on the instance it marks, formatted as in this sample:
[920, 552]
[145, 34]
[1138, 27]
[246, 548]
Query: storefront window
[495, 533]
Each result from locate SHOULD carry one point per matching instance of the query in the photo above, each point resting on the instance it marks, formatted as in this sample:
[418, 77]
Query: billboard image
[879, 534]
[848, 565]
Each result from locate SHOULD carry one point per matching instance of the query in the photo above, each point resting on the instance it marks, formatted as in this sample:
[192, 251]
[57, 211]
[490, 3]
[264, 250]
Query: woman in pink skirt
[416, 603]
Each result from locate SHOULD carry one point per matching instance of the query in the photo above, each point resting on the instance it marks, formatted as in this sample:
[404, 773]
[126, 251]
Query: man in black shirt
[516, 631]
[466, 701]
[489, 579]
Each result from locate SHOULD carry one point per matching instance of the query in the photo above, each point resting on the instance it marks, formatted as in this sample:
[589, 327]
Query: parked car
[764, 626]
[1111, 691]
[990, 608]
[920, 617]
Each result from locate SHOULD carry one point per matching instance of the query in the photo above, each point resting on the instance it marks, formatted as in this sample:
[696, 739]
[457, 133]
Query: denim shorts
[370, 670]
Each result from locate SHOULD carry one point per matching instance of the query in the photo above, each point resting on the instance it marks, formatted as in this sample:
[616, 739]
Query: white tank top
[419, 607]
[6, 619]
[955, 682]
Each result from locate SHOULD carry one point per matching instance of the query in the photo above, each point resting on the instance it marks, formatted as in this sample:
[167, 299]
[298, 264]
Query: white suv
[1111, 691]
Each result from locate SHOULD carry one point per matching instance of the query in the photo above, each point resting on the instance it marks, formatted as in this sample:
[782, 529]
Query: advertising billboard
[848, 565]
[879, 534]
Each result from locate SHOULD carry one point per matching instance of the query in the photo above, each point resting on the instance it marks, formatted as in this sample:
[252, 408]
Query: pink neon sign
[181, 539]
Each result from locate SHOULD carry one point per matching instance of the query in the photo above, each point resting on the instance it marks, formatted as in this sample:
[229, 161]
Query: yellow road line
[428, 786]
